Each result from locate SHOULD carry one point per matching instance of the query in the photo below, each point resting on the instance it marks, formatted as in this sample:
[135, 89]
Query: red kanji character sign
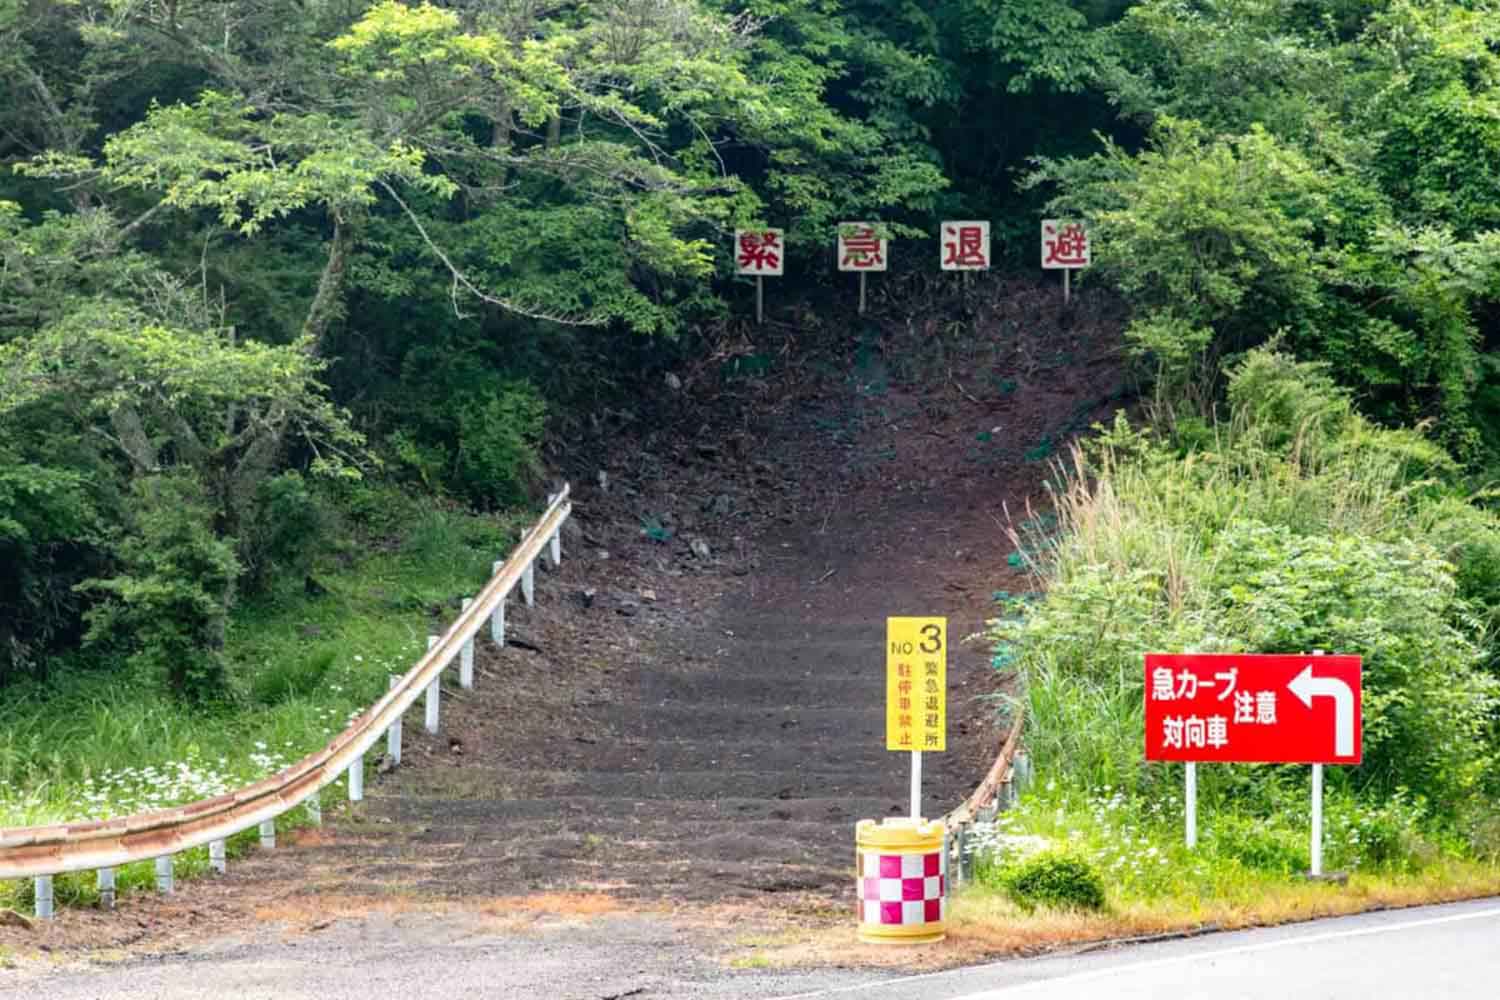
[966, 246]
[759, 252]
[1065, 245]
[861, 248]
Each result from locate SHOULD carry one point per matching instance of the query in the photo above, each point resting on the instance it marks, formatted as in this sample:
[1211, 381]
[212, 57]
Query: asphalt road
[1425, 954]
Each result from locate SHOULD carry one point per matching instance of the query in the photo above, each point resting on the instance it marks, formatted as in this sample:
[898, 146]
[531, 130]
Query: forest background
[271, 271]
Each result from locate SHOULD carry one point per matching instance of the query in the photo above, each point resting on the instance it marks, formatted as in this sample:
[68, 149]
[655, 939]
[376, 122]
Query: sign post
[862, 248]
[760, 252]
[1065, 247]
[916, 692]
[1254, 709]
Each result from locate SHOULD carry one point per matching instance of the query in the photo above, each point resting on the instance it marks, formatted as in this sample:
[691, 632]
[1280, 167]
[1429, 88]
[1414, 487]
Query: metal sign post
[1190, 802]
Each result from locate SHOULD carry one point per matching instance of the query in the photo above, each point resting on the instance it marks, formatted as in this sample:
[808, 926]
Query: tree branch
[461, 280]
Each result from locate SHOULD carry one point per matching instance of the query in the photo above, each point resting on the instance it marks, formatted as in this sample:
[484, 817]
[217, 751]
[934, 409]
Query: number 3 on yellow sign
[916, 684]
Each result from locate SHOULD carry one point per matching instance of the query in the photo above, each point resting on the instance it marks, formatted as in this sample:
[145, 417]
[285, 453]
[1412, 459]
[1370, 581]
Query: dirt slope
[708, 724]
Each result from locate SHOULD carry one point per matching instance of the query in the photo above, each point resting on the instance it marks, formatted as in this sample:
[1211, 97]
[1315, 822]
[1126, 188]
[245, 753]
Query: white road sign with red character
[1065, 245]
[861, 247]
[965, 246]
[760, 252]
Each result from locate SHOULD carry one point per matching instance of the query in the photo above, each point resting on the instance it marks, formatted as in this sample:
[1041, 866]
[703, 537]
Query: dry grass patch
[555, 904]
[984, 924]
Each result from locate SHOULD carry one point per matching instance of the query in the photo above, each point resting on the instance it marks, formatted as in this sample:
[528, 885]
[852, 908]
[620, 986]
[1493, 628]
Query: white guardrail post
[434, 693]
[497, 620]
[44, 897]
[357, 779]
[393, 734]
[466, 658]
[43, 852]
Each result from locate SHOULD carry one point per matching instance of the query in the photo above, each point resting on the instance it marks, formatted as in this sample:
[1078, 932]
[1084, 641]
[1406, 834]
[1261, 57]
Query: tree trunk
[327, 303]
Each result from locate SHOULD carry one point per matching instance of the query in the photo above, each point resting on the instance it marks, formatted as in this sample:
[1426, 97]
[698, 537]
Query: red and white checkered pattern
[902, 889]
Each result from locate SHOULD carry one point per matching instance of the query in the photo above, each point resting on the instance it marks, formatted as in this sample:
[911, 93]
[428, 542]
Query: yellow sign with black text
[916, 684]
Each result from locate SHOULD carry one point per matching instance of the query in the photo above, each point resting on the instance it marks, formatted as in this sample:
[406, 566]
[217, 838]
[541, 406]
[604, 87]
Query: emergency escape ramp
[41, 852]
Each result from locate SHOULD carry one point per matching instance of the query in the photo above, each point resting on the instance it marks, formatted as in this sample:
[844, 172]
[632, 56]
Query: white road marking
[1117, 970]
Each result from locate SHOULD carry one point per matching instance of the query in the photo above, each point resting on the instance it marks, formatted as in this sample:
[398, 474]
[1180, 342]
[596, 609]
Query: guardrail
[1000, 774]
[41, 852]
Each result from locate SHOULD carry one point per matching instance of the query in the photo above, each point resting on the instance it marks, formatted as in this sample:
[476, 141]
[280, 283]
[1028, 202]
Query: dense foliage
[254, 250]
[251, 248]
[1296, 524]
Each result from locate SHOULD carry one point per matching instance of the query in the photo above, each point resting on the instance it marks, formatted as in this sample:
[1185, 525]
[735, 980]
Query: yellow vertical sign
[916, 684]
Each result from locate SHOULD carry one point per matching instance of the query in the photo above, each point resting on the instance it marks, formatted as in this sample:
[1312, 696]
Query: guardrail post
[554, 544]
[106, 888]
[44, 897]
[268, 834]
[497, 620]
[315, 809]
[393, 734]
[357, 779]
[164, 876]
[466, 658]
[216, 857]
[434, 693]
[528, 584]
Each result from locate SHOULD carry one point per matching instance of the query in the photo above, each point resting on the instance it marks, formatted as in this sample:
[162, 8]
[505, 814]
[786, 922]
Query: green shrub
[1057, 880]
[483, 445]
[289, 529]
[1258, 843]
[499, 435]
[1383, 835]
[169, 601]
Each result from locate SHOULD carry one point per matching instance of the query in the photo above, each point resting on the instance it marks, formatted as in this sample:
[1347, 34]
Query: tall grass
[95, 744]
[1294, 524]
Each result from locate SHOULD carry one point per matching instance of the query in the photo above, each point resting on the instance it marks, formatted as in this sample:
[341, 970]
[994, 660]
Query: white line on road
[1116, 970]
[1205, 956]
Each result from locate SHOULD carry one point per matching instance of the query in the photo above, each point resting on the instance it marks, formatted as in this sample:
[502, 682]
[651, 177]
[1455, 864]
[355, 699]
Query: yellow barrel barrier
[902, 871]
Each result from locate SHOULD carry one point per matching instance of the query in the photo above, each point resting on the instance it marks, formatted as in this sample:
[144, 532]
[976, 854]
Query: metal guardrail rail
[41, 852]
[998, 776]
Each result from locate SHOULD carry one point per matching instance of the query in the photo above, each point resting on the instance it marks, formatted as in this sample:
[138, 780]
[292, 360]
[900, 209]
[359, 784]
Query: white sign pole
[1317, 820]
[1190, 800]
[760, 300]
[861, 293]
[916, 785]
[1317, 801]
[1067, 280]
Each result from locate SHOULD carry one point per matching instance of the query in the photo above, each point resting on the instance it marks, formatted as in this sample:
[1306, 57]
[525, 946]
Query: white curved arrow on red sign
[1307, 687]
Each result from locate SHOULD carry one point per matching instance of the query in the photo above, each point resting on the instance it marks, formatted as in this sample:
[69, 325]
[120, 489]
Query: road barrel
[902, 881]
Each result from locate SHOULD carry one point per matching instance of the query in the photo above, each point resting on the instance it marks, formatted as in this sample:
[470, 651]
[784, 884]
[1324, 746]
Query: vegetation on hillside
[1293, 524]
[258, 254]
